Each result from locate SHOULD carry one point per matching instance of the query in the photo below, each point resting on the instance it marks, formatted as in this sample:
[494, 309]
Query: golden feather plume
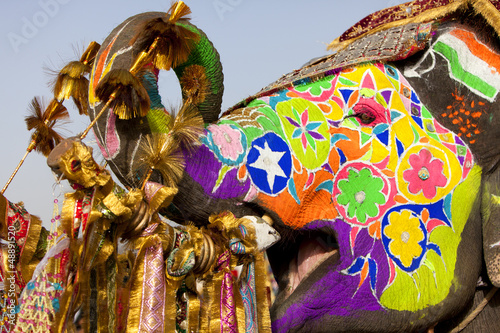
[163, 41]
[90, 53]
[195, 84]
[160, 152]
[130, 98]
[187, 126]
[71, 80]
[43, 122]
[44, 138]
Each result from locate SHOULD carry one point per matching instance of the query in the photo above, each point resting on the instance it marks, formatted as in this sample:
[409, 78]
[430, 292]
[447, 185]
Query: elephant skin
[382, 179]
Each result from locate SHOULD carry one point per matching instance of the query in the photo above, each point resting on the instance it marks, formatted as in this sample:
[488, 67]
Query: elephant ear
[491, 226]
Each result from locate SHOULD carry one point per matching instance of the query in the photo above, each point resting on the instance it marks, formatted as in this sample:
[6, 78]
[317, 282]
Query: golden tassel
[160, 152]
[489, 12]
[45, 137]
[194, 313]
[264, 317]
[163, 41]
[136, 292]
[71, 80]
[132, 100]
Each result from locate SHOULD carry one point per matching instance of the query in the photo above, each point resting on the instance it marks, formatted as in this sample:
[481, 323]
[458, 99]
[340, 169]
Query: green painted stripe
[462, 75]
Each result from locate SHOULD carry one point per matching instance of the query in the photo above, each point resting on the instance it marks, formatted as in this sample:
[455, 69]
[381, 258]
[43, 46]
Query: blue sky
[258, 40]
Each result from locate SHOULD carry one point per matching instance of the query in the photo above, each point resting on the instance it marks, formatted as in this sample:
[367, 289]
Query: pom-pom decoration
[187, 126]
[44, 137]
[166, 41]
[71, 81]
[124, 93]
[160, 152]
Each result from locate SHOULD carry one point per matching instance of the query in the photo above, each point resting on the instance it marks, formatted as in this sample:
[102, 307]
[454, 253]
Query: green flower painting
[361, 193]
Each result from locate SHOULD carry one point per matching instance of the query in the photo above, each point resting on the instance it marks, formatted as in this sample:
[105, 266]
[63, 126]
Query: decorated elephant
[377, 164]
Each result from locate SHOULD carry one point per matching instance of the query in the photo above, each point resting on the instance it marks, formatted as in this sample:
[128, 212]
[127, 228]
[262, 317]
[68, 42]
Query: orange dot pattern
[465, 114]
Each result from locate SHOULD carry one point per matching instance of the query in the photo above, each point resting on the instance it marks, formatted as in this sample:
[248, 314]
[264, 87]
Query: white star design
[268, 161]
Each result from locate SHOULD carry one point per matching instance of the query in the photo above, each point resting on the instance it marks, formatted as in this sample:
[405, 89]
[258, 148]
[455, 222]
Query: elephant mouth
[299, 255]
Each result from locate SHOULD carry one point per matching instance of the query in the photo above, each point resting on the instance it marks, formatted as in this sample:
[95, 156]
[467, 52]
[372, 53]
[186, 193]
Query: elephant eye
[365, 117]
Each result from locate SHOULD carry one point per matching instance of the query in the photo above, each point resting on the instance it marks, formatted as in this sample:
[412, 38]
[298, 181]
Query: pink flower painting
[425, 175]
[227, 142]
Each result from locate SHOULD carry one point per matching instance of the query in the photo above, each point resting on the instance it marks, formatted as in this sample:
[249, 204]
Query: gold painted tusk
[268, 219]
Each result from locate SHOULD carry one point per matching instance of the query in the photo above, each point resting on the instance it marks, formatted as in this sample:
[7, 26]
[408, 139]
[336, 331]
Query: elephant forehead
[301, 147]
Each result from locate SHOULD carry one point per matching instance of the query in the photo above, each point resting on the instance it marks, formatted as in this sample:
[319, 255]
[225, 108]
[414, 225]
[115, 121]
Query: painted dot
[406, 92]
[423, 173]
[360, 196]
[405, 236]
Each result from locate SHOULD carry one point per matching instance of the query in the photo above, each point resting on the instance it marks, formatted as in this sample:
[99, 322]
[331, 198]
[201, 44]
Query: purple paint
[328, 168]
[387, 95]
[459, 141]
[204, 167]
[338, 294]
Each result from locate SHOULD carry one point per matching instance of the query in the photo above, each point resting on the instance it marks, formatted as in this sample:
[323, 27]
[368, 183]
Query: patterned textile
[227, 303]
[22, 235]
[152, 317]
[397, 13]
[389, 45]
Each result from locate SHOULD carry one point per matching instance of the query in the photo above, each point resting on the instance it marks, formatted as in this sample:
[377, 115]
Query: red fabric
[396, 13]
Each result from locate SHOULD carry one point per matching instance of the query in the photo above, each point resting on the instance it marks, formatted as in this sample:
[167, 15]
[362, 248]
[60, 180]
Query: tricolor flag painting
[471, 62]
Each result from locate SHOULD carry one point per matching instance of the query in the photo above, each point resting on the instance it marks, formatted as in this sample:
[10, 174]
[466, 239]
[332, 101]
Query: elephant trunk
[205, 62]
[200, 77]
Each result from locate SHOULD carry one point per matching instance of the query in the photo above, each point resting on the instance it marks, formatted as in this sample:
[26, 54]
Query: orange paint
[364, 273]
[353, 99]
[325, 107]
[350, 148]
[319, 205]
[389, 173]
[375, 230]
[100, 64]
[477, 48]
[242, 172]
[469, 114]
[400, 199]
[296, 164]
[425, 215]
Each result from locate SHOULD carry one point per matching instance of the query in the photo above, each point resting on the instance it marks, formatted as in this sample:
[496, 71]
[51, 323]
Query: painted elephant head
[378, 164]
